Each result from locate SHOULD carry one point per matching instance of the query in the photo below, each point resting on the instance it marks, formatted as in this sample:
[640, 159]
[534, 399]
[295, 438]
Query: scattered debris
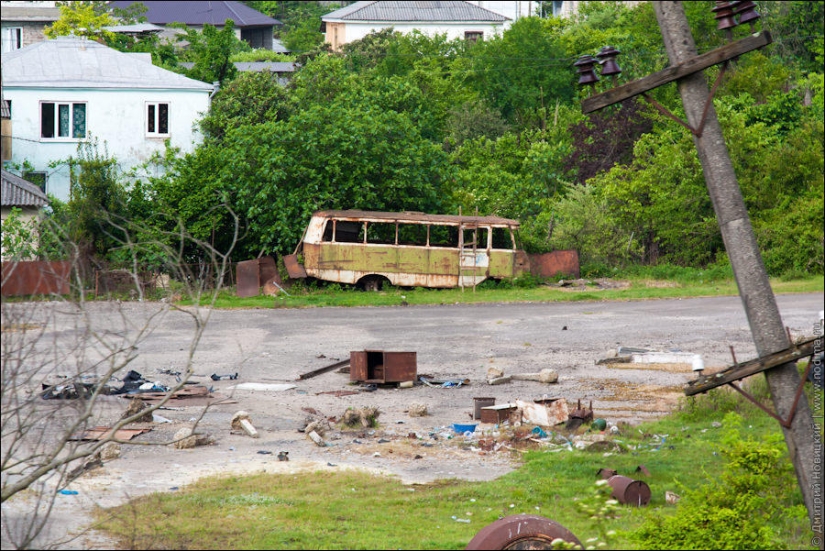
[544, 376]
[579, 416]
[315, 437]
[417, 409]
[68, 492]
[264, 452]
[498, 414]
[103, 433]
[134, 408]
[241, 421]
[283, 456]
[672, 498]
[499, 380]
[338, 393]
[320, 426]
[494, 373]
[629, 491]
[185, 439]
[606, 473]
[325, 369]
[443, 383]
[405, 384]
[263, 386]
[544, 412]
[216, 377]
[366, 417]
[606, 446]
[481, 402]
[642, 469]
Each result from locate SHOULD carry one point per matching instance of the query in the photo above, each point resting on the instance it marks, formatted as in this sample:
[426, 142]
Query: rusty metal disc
[521, 532]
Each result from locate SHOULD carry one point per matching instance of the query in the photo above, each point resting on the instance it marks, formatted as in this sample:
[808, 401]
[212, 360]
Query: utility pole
[766, 326]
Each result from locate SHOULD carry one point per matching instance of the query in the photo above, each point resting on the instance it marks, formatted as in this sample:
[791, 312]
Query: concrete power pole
[769, 334]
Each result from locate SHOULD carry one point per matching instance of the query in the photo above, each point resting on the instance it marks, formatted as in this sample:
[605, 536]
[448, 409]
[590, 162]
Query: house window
[157, 119]
[473, 36]
[12, 39]
[62, 120]
[556, 8]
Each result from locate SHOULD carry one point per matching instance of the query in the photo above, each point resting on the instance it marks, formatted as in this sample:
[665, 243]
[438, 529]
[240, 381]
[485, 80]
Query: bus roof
[361, 215]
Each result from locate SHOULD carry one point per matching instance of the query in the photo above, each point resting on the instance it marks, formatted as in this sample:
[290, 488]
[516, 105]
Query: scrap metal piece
[320, 370]
[629, 491]
[522, 532]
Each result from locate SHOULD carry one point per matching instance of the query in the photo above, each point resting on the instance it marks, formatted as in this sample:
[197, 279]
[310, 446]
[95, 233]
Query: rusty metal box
[497, 414]
[380, 366]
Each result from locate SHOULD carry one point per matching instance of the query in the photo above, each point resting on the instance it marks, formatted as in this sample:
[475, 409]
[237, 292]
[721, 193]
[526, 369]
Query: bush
[738, 510]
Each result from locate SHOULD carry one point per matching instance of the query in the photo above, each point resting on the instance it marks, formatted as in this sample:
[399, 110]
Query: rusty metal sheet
[293, 268]
[248, 278]
[268, 270]
[35, 278]
[555, 263]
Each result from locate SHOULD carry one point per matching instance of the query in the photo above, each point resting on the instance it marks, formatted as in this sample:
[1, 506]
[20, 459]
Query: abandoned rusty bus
[408, 249]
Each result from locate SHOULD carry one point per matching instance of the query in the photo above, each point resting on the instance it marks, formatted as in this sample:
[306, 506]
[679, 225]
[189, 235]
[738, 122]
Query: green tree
[522, 71]
[82, 18]
[252, 98]
[211, 51]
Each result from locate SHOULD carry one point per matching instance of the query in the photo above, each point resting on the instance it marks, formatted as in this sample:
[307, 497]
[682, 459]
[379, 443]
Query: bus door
[474, 261]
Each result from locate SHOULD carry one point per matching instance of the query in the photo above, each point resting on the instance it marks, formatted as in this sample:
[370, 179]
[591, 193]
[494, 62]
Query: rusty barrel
[482, 403]
[629, 491]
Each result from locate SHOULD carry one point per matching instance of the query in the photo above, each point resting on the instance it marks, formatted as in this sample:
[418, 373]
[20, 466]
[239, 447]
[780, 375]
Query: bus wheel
[372, 283]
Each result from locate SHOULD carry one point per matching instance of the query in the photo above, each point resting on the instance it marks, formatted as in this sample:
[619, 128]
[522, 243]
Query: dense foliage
[415, 122]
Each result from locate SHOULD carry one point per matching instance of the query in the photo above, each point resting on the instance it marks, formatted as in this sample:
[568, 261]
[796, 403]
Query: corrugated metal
[198, 13]
[17, 192]
[70, 61]
[415, 11]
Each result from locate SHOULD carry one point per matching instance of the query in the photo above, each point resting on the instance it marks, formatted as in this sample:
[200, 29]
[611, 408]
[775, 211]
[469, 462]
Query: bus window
[381, 233]
[412, 234]
[443, 236]
[502, 239]
[328, 228]
[475, 237]
[348, 232]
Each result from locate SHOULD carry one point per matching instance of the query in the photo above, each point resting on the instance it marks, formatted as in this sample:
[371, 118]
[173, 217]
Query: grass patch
[316, 296]
[690, 452]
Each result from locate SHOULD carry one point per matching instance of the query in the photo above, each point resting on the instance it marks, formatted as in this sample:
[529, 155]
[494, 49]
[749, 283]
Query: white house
[454, 19]
[64, 91]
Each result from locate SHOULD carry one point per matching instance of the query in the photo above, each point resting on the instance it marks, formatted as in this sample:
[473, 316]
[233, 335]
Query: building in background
[251, 26]
[455, 19]
[61, 92]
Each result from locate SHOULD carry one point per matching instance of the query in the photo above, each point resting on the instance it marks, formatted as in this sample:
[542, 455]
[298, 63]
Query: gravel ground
[451, 342]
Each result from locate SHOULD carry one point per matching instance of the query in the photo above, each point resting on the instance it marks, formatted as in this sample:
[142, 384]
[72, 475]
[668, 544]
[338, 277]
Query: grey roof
[278, 46]
[26, 14]
[198, 13]
[137, 28]
[258, 66]
[74, 62]
[415, 11]
[17, 192]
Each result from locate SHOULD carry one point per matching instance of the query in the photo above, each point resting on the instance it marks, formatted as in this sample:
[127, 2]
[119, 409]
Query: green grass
[353, 510]
[642, 288]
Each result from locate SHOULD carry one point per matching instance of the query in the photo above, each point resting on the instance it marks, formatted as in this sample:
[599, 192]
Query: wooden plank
[693, 65]
[320, 370]
[752, 367]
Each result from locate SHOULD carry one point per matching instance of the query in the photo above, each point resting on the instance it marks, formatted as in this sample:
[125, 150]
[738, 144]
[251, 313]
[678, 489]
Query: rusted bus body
[408, 249]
